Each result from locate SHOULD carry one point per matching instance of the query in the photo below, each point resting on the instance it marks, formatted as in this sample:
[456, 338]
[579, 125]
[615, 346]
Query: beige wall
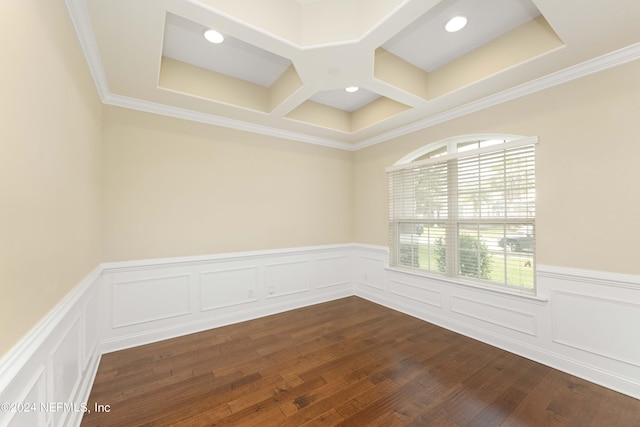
[587, 169]
[49, 164]
[174, 188]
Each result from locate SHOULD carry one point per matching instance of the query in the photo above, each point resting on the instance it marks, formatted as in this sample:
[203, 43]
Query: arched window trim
[452, 144]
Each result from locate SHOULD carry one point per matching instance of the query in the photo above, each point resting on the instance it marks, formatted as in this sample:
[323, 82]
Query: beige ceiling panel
[191, 80]
[524, 43]
[322, 115]
[397, 72]
[374, 112]
[287, 84]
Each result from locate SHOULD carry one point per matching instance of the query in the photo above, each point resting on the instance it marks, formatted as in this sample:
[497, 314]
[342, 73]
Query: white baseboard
[582, 322]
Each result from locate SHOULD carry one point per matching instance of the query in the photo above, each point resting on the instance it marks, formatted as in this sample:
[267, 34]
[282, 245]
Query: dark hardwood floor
[346, 362]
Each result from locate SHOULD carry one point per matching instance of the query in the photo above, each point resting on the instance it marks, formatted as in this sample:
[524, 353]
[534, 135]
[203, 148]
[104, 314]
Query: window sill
[471, 284]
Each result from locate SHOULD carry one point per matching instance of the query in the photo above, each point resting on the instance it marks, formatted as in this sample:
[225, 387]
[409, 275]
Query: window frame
[453, 224]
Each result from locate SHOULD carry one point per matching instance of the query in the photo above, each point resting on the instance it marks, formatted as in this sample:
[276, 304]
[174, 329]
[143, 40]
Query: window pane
[431, 193]
[420, 193]
[408, 244]
[468, 146]
[481, 186]
[474, 255]
[497, 252]
[421, 246]
[432, 154]
[520, 268]
[517, 245]
[520, 185]
[490, 142]
[433, 248]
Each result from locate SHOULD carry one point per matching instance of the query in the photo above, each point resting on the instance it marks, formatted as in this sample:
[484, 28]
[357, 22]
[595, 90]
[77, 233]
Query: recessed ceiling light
[213, 36]
[455, 24]
[352, 89]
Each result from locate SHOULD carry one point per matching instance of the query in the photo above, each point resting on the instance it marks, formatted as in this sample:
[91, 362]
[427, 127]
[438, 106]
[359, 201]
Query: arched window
[465, 208]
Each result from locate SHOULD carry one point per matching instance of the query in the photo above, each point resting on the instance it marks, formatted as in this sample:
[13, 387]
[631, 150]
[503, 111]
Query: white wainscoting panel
[592, 324]
[34, 392]
[370, 263]
[226, 288]
[65, 368]
[334, 271]
[91, 327]
[582, 322]
[499, 315]
[52, 368]
[149, 299]
[288, 278]
[408, 288]
[191, 294]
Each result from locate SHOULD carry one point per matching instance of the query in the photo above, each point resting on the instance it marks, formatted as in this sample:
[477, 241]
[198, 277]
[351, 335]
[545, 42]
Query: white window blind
[468, 214]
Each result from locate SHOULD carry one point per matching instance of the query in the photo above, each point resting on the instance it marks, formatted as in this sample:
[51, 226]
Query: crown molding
[195, 116]
[82, 25]
[81, 22]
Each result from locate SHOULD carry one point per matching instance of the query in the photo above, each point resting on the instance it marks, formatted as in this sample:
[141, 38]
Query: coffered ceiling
[283, 66]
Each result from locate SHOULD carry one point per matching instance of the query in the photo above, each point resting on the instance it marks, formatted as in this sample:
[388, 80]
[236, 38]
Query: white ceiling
[425, 44]
[298, 56]
[343, 100]
[184, 41]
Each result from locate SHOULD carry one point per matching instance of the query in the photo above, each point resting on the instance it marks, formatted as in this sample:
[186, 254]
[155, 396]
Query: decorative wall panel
[149, 299]
[225, 288]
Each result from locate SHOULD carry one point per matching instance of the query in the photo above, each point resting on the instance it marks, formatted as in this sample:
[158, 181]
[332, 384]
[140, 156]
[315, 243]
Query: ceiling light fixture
[352, 89]
[455, 24]
[213, 36]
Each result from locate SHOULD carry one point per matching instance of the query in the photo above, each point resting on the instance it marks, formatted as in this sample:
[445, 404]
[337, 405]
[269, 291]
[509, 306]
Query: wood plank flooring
[348, 362]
